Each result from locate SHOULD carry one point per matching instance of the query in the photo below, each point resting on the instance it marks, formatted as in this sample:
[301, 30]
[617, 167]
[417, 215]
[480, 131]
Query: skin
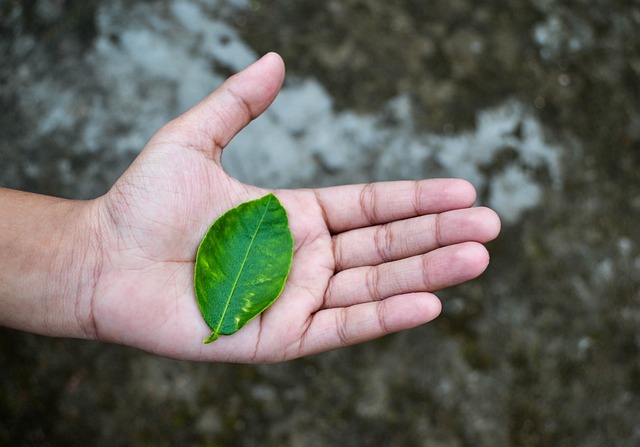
[119, 268]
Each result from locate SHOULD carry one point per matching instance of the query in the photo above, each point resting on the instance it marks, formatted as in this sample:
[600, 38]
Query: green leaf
[242, 264]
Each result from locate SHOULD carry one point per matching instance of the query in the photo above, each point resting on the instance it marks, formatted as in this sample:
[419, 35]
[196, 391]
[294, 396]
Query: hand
[366, 257]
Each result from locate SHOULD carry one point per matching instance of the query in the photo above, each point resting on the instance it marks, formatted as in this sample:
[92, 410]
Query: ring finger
[430, 272]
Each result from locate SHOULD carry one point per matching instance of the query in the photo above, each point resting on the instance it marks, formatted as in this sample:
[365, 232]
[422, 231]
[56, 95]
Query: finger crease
[337, 253]
[367, 203]
[438, 230]
[372, 281]
[382, 322]
[243, 103]
[383, 241]
[341, 327]
[323, 209]
[416, 198]
[326, 302]
[428, 284]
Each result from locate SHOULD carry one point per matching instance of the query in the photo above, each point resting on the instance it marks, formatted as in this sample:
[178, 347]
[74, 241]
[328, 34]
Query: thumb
[211, 124]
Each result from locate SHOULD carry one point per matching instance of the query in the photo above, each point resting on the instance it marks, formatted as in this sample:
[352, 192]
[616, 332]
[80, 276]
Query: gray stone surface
[536, 102]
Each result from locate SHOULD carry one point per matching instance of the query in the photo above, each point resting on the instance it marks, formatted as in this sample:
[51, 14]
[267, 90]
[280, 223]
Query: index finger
[357, 206]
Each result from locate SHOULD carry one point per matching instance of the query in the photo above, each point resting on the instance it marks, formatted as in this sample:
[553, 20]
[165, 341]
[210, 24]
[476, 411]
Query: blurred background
[537, 103]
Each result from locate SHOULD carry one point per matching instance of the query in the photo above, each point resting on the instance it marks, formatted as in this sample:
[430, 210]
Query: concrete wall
[536, 103]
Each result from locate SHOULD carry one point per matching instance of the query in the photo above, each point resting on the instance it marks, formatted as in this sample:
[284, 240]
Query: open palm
[366, 257]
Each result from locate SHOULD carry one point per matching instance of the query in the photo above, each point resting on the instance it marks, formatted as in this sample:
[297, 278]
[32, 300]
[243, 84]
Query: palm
[360, 262]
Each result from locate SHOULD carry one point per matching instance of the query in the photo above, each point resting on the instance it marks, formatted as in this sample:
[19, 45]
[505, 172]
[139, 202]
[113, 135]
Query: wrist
[76, 269]
[49, 261]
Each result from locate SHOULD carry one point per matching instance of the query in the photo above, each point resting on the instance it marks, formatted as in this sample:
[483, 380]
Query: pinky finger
[345, 326]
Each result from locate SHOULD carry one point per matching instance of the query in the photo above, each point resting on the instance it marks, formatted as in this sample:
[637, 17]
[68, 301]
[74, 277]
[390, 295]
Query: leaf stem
[213, 337]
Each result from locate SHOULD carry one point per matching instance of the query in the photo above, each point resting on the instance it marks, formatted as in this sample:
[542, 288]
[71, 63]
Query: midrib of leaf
[244, 263]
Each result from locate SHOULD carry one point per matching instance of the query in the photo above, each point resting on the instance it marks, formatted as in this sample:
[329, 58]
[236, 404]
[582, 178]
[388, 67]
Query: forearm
[48, 264]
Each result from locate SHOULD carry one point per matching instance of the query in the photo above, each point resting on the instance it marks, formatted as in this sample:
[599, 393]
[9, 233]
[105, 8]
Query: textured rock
[535, 102]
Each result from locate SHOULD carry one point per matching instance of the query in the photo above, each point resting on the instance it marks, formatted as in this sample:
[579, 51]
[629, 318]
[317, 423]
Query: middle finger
[405, 238]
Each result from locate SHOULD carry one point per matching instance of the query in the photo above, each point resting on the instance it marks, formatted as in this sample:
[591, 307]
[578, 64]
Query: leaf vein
[244, 263]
